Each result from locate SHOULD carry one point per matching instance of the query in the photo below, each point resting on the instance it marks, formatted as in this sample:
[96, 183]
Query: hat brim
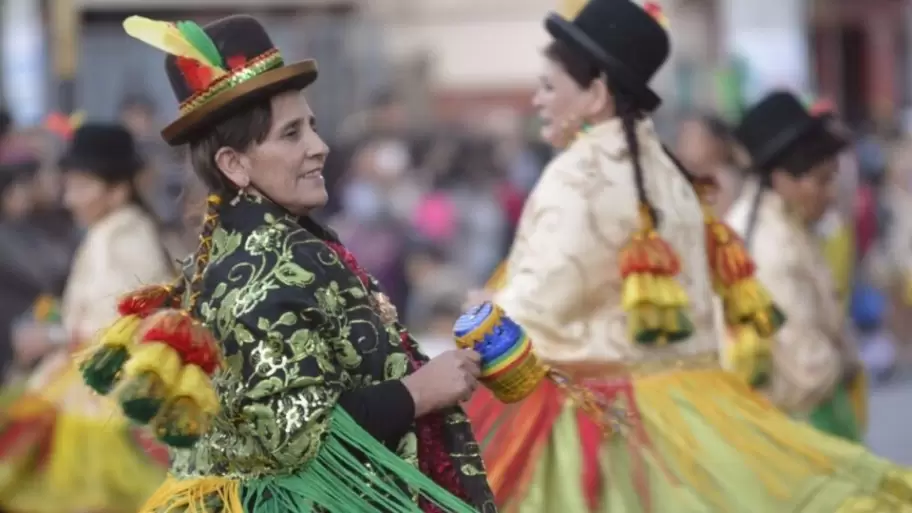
[294, 76]
[565, 31]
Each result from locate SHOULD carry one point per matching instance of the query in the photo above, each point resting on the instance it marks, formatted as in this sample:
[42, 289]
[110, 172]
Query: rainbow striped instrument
[510, 369]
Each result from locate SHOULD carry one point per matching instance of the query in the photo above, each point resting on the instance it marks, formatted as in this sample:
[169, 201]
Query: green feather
[200, 40]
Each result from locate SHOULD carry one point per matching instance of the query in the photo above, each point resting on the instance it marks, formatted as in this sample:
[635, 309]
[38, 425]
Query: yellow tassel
[157, 358]
[749, 356]
[653, 299]
[122, 333]
[194, 384]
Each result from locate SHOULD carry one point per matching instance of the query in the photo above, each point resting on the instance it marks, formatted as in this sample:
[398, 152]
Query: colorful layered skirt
[64, 449]
[681, 436]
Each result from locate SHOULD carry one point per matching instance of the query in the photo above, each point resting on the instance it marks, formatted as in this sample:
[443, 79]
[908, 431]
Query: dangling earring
[568, 130]
[242, 193]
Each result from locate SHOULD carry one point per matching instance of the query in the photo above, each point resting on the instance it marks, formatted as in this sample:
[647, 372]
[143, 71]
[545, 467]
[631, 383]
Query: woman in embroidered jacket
[285, 383]
[636, 414]
[794, 154]
[62, 448]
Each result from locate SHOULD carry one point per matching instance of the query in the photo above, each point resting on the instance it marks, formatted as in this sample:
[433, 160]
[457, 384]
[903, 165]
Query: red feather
[197, 76]
[237, 61]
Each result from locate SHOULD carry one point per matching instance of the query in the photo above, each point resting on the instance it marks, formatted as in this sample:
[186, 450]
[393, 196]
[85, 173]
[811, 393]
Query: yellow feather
[167, 38]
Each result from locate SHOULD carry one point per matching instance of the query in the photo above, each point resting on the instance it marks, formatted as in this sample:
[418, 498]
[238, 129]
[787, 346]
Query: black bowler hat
[218, 69]
[106, 150]
[627, 42]
[779, 124]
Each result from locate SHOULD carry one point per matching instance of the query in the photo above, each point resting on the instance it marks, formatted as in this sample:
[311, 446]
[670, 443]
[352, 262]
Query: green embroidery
[298, 329]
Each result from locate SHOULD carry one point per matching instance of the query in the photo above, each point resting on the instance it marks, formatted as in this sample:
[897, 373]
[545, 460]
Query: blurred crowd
[430, 210]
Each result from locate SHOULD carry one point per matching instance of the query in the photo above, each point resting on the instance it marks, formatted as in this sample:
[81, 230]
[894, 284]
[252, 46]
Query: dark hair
[241, 131]
[584, 71]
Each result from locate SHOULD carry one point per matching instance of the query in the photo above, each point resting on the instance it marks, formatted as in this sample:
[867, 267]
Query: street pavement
[890, 428]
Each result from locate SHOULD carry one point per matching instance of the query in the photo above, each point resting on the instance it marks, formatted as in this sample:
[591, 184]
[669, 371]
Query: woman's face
[558, 101]
[810, 195]
[697, 148]
[287, 167]
[90, 198]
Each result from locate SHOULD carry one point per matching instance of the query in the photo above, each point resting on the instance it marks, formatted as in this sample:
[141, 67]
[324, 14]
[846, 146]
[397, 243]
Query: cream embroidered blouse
[563, 284]
[812, 345]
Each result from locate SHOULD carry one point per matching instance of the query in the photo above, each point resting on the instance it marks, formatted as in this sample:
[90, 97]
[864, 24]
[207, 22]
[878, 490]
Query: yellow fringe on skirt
[92, 466]
[196, 495]
[700, 441]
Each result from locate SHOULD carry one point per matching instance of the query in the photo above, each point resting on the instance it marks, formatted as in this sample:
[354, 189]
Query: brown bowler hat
[218, 69]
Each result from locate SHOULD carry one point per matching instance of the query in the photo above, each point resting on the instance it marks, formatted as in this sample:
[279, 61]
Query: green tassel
[352, 472]
[180, 424]
[142, 397]
[101, 370]
[200, 40]
[684, 328]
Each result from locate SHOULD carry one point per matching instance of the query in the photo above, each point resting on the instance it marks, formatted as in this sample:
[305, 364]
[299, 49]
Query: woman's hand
[444, 381]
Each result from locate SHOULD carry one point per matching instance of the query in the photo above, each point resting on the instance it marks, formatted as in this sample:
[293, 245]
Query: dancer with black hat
[278, 373]
[612, 277]
[793, 155]
[62, 448]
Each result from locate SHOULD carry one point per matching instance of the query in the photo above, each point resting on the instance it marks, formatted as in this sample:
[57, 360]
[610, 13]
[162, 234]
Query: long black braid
[629, 117]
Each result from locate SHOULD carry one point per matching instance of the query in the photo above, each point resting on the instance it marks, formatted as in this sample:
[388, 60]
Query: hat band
[266, 61]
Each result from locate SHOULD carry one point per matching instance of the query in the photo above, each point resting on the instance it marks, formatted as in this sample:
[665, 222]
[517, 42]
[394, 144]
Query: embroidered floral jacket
[298, 329]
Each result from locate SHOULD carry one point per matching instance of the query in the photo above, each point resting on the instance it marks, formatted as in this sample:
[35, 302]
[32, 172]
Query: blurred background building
[459, 56]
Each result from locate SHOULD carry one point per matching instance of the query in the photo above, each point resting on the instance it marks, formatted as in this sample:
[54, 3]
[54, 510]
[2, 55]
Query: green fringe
[338, 481]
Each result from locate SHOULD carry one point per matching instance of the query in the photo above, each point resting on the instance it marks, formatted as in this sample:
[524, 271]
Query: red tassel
[145, 301]
[192, 341]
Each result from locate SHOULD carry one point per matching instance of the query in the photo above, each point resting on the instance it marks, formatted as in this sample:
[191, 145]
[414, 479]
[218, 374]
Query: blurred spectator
[31, 262]
[6, 125]
[707, 147]
[162, 182]
[371, 219]
[467, 210]
[430, 276]
[386, 115]
[436, 333]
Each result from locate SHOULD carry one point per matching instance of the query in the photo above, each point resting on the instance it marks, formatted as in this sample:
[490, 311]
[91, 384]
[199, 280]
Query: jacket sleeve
[285, 331]
[566, 248]
[807, 361]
